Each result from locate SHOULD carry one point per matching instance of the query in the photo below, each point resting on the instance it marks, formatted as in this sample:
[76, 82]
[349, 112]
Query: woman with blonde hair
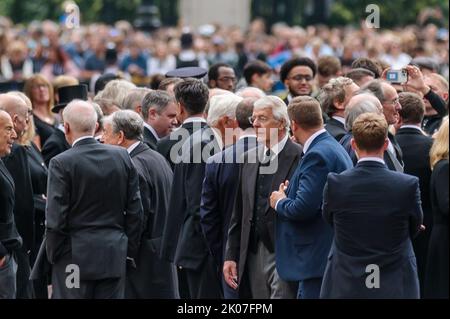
[436, 279]
[38, 173]
[40, 92]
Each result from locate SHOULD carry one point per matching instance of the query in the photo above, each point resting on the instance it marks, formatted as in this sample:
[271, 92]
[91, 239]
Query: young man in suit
[94, 212]
[153, 277]
[19, 168]
[251, 250]
[374, 212]
[183, 241]
[10, 241]
[303, 239]
[334, 98]
[416, 145]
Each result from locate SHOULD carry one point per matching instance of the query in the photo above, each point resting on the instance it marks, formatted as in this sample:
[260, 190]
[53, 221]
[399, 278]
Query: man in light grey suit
[94, 212]
[153, 277]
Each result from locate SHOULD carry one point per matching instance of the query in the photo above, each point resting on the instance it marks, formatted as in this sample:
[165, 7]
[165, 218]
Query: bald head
[358, 98]
[361, 104]
[17, 109]
[251, 92]
[80, 119]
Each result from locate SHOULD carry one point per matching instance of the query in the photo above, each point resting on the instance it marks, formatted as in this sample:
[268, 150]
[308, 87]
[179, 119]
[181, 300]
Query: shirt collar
[339, 118]
[277, 148]
[372, 159]
[311, 139]
[80, 139]
[132, 147]
[61, 128]
[194, 119]
[152, 130]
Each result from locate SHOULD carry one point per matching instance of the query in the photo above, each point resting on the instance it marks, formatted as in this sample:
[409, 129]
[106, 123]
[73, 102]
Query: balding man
[19, 168]
[153, 277]
[94, 212]
[10, 240]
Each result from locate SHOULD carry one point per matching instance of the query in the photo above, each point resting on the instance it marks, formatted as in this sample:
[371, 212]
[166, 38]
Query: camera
[397, 76]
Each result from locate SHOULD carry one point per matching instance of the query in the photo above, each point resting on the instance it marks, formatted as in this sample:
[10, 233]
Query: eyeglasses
[299, 78]
[393, 102]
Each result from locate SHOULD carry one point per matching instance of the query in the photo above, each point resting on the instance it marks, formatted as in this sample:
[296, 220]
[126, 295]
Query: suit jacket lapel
[142, 147]
[286, 159]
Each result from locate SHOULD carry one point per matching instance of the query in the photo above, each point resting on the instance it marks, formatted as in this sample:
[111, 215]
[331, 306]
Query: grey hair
[334, 89]
[134, 98]
[222, 105]
[116, 90]
[251, 91]
[129, 122]
[364, 106]
[156, 99]
[279, 108]
[376, 88]
[81, 116]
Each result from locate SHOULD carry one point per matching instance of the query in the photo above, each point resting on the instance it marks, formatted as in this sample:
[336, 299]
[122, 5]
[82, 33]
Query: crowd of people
[216, 164]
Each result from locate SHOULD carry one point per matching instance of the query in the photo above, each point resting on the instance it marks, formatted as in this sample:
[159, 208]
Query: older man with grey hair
[19, 169]
[364, 102]
[133, 100]
[250, 249]
[153, 277]
[94, 212]
[159, 111]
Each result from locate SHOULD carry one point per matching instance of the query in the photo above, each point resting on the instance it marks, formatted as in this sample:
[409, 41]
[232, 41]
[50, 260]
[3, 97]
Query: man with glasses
[222, 76]
[388, 97]
[297, 75]
[19, 168]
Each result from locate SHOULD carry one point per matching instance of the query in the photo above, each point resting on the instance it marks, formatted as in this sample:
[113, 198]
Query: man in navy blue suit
[219, 188]
[374, 212]
[303, 239]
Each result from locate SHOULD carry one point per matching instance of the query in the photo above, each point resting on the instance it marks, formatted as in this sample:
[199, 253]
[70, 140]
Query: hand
[2, 261]
[416, 81]
[230, 273]
[280, 194]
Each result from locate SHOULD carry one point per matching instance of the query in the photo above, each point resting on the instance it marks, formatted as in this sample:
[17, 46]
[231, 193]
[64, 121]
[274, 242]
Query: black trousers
[204, 283]
[24, 284]
[109, 288]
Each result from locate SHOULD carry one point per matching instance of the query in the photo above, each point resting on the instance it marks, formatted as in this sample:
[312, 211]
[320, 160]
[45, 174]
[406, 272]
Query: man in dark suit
[19, 168]
[183, 241]
[374, 212]
[10, 241]
[153, 277]
[250, 250]
[416, 145]
[159, 111]
[219, 186]
[94, 212]
[303, 239]
[388, 97]
[333, 99]
[57, 143]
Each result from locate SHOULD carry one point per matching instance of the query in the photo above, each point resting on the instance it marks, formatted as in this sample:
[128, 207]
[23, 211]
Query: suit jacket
[183, 240]
[416, 147]
[218, 195]
[303, 239]
[9, 237]
[153, 277]
[335, 129]
[240, 223]
[150, 139]
[177, 137]
[94, 209]
[375, 212]
[54, 145]
[19, 168]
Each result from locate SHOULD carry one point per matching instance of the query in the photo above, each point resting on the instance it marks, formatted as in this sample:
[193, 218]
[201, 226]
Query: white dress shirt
[132, 147]
[81, 138]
